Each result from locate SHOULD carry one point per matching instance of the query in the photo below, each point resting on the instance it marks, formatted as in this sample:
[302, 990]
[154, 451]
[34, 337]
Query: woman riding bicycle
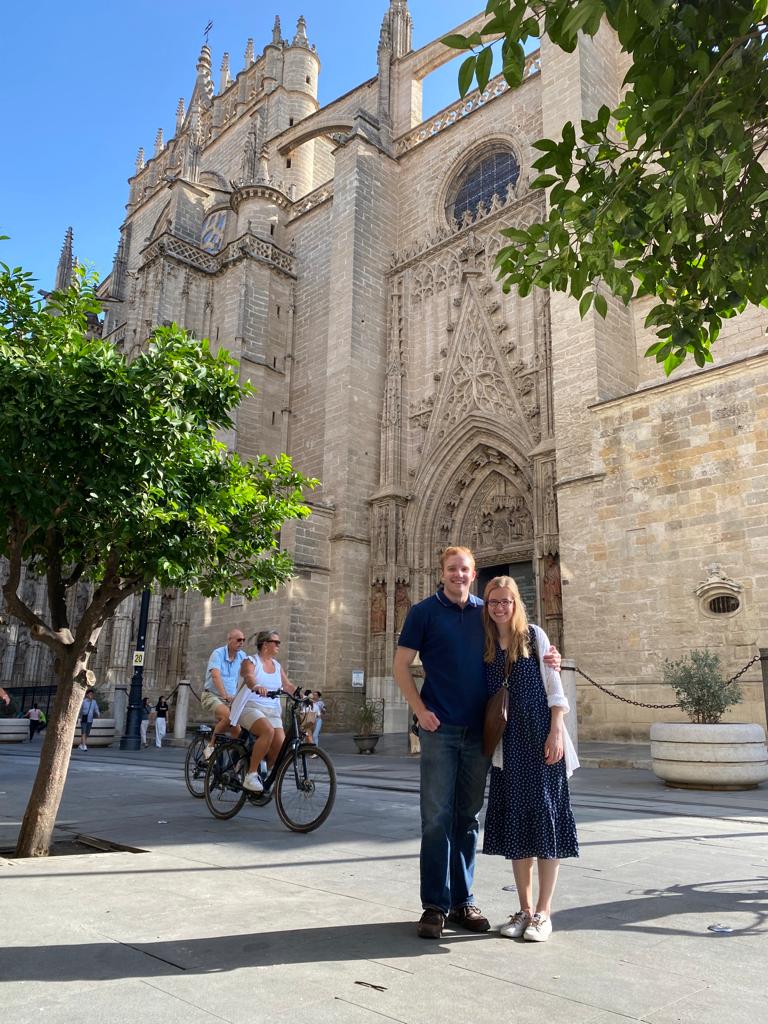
[262, 716]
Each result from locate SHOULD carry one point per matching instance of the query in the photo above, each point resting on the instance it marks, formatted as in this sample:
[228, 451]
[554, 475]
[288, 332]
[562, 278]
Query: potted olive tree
[706, 753]
[370, 716]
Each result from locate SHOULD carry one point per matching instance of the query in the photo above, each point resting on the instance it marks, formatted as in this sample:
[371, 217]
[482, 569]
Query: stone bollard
[568, 676]
[120, 708]
[181, 713]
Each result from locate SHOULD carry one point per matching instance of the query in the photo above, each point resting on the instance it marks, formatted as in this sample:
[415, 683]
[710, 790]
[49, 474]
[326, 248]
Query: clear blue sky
[85, 85]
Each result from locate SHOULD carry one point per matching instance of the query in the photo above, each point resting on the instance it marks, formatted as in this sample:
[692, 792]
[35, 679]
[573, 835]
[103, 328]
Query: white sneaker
[539, 929]
[208, 752]
[253, 783]
[80, 746]
[516, 925]
[84, 747]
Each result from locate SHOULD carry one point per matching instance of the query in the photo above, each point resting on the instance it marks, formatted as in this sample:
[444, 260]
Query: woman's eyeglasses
[504, 602]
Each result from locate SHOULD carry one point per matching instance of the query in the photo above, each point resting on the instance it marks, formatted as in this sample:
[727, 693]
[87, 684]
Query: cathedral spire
[276, 38]
[140, 159]
[66, 264]
[204, 81]
[159, 142]
[180, 115]
[249, 53]
[399, 23]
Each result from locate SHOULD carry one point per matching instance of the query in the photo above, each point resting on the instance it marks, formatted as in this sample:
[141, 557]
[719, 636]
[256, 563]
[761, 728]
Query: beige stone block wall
[680, 485]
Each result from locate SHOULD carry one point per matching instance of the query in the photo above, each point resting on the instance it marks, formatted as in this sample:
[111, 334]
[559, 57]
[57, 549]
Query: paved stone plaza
[243, 921]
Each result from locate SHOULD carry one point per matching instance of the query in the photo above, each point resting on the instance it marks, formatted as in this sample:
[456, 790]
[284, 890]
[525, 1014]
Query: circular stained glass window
[213, 231]
[481, 180]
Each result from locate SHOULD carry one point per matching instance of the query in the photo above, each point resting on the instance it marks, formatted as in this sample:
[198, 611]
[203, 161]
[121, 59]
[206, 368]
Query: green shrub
[698, 683]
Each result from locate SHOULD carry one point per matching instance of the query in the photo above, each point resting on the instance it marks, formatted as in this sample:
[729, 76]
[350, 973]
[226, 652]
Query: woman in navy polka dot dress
[529, 810]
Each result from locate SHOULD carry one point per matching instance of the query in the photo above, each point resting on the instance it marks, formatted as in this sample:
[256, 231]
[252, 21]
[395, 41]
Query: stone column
[181, 714]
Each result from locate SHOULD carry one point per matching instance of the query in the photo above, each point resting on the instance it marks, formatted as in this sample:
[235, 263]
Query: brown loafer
[470, 918]
[431, 924]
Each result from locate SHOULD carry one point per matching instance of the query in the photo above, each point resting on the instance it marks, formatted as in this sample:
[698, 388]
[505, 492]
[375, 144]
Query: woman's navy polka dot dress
[529, 807]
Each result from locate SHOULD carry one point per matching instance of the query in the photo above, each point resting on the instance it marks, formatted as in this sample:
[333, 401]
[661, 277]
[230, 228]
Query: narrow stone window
[288, 162]
[479, 181]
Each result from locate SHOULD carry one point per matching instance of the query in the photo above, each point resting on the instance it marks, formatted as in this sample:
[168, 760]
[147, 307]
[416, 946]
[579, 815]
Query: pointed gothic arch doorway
[522, 573]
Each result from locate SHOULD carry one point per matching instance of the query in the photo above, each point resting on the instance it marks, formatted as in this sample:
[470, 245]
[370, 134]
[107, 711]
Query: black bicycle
[196, 762]
[302, 780]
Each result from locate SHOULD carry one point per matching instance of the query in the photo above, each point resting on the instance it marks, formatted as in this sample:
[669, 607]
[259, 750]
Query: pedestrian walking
[89, 710]
[36, 721]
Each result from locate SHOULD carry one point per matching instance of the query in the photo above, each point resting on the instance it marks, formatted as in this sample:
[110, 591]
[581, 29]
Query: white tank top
[270, 681]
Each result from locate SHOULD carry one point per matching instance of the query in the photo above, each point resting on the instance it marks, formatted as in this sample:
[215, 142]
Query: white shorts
[251, 714]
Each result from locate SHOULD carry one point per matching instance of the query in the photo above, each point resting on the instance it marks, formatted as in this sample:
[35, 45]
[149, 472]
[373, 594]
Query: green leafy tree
[666, 195]
[111, 474]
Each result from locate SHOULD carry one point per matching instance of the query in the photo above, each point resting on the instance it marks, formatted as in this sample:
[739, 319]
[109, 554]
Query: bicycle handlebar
[298, 696]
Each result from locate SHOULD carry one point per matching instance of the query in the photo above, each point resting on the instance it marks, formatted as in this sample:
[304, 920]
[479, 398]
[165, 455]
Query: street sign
[358, 679]
[138, 658]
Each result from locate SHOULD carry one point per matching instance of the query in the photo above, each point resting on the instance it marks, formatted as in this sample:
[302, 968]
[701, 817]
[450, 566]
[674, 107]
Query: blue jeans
[453, 774]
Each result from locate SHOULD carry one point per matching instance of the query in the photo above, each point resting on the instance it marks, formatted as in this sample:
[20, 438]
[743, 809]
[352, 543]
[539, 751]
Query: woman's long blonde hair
[518, 644]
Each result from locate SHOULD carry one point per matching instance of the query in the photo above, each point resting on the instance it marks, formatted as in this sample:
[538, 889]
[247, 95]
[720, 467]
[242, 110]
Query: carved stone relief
[379, 607]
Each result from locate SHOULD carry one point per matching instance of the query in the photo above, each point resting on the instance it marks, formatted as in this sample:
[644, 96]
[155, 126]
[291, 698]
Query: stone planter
[14, 730]
[102, 733]
[728, 755]
[366, 744]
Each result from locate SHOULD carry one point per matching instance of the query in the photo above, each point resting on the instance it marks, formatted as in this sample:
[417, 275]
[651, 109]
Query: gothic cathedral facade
[344, 255]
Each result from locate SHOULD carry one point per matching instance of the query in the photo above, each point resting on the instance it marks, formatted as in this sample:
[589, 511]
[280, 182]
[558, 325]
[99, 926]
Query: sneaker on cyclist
[253, 783]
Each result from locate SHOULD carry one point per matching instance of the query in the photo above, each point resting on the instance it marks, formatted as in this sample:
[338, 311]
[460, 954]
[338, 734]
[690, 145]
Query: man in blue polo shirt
[222, 678]
[446, 630]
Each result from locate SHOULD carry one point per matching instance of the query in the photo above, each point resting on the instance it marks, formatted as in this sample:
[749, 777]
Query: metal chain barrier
[660, 707]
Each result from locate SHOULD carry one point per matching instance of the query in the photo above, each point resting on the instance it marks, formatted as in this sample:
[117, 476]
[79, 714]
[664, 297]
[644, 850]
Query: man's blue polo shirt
[450, 642]
[229, 668]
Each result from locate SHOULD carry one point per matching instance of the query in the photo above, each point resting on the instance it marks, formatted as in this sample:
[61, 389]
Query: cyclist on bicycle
[221, 681]
[262, 716]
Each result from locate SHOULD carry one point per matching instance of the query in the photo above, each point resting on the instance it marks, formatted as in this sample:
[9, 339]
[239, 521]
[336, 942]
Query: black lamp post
[131, 739]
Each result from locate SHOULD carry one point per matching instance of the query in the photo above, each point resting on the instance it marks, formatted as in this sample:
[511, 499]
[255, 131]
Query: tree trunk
[43, 805]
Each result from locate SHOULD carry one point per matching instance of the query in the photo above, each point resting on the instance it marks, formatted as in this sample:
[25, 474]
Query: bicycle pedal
[259, 799]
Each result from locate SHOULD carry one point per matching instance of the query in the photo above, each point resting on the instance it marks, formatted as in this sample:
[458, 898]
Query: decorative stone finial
[159, 142]
[276, 37]
[65, 267]
[225, 80]
[400, 24]
[249, 53]
[140, 159]
[180, 115]
[300, 39]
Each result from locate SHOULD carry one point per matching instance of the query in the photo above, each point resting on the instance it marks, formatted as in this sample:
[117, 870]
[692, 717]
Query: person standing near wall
[161, 721]
[146, 710]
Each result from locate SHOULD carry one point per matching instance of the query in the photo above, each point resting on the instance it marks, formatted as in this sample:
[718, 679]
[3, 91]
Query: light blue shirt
[229, 668]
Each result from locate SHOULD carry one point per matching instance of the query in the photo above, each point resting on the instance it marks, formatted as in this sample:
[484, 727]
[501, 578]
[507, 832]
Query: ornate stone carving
[379, 607]
[402, 604]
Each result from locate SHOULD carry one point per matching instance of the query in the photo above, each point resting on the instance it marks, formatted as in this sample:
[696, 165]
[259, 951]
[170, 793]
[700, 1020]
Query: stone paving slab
[243, 921]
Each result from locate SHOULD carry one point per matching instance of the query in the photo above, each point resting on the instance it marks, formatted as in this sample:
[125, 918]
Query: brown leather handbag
[495, 722]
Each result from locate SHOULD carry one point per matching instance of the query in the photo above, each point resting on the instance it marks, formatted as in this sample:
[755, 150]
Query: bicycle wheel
[305, 788]
[194, 767]
[224, 793]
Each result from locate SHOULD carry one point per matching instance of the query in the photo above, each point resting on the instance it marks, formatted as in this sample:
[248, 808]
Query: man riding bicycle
[222, 678]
